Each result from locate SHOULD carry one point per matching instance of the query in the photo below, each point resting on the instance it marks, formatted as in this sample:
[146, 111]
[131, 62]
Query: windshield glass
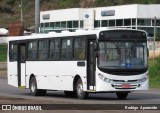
[122, 55]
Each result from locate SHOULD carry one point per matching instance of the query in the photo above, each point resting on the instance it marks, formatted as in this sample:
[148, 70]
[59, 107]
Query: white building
[135, 16]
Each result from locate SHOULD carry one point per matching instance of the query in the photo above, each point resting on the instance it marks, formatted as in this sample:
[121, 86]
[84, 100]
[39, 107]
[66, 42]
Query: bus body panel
[60, 74]
[50, 76]
[23, 74]
[106, 87]
[118, 80]
[12, 74]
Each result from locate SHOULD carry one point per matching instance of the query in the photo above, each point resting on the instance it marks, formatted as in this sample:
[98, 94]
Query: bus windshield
[122, 55]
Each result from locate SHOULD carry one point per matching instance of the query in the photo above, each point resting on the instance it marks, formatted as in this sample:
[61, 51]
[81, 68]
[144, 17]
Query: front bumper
[103, 86]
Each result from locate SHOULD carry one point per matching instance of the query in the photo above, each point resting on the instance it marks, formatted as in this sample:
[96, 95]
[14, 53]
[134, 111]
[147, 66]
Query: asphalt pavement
[13, 95]
[152, 96]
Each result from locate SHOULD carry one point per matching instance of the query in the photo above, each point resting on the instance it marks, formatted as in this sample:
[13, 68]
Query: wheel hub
[80, 89]
[33, 87]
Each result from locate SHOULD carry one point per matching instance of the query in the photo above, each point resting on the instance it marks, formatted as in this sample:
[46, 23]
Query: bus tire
[79, 90]
[33, 88]
[122, 95]
[70, 93]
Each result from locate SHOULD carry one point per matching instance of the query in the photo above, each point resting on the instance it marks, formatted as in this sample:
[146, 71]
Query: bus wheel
[122, 95]
[79, 90]
[70, 93]
[33, 88]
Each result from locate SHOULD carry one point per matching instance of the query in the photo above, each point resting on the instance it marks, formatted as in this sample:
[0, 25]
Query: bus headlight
[143, 79]
[104, 78]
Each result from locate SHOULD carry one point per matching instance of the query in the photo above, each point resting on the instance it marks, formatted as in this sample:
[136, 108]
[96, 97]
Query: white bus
[81, 62]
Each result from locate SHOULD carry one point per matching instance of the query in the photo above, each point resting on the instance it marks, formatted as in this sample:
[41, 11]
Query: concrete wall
[121, 12]
[148, 11]
[61, 15]
[3, 40]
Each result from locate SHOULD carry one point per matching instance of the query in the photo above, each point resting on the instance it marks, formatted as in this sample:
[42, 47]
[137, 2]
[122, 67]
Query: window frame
[97, 23]
[127, 22]
[10, 44]
[72, 38]
[143, 22]
[27, 58]
[53, 39]
[110, 24]
[75, 24]
[104, 23]
[119, 22]
[38, 50]
[66, 59]
[85, 39]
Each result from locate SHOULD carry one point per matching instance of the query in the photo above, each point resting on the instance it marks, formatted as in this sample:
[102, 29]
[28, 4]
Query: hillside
[10, 9]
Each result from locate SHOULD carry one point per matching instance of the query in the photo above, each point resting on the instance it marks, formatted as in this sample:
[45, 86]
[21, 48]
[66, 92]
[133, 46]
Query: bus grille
[122, 81]
[125, 86]
[122, 84]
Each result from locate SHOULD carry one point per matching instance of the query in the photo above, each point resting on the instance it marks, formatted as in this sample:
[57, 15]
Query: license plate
[126, 86]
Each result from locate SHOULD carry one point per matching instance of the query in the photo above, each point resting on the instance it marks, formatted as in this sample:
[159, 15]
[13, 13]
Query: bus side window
[32, 50]
[54, 49]
[79, 49]
[66, 53]
[13, 52]
[43, 50]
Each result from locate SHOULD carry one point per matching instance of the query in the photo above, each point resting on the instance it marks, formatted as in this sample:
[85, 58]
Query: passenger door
[91, 63]
[21, 64]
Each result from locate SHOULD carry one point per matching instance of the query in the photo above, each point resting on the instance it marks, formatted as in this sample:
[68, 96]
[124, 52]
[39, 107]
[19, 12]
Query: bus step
[91, 90]
[22, 87]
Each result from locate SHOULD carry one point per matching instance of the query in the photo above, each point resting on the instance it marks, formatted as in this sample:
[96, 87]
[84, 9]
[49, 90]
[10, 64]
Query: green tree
[10, 2]
[62, 4]
[6, 6]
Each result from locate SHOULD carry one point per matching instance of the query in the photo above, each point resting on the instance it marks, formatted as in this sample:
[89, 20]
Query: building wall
[148, 11]
[133, 16]
[61, 15]
[88, 18]
[121, 12]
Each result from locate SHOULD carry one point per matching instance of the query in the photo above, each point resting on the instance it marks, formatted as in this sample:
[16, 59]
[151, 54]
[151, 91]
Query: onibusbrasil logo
[21, 107]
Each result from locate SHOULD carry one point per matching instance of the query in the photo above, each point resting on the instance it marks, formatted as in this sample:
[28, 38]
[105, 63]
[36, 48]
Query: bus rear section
[52, 63]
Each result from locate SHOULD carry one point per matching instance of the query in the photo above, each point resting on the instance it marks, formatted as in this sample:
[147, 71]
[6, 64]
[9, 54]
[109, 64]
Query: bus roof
[65, 34]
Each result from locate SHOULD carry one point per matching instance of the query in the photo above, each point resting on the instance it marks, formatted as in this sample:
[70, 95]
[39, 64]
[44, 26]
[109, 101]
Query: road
[143, 97]
[12, 95]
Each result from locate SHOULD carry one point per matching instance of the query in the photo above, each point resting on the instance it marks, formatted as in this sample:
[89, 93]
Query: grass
[3, 53]
[154, 73]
